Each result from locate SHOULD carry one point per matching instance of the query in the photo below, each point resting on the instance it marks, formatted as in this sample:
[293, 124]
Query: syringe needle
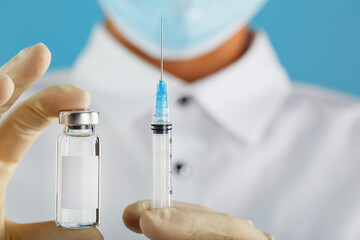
[162, 127]
[162, 57]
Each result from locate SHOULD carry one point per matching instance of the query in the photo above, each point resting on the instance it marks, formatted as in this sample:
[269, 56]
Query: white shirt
[259, 147]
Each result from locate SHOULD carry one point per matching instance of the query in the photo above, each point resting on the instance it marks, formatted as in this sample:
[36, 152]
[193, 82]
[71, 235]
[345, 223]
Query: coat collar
[243, 98]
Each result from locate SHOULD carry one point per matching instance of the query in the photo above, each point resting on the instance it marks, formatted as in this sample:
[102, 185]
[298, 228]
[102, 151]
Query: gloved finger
[269, 236]
[133, 212]
[6, 88]
[24, 69]
[23, 124]
[49, 230]
[185, 223]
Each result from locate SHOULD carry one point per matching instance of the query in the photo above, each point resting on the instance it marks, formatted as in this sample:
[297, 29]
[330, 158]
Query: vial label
[79, 184]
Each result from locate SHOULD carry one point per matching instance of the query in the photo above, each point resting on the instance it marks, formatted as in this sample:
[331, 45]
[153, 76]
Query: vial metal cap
[79, 117]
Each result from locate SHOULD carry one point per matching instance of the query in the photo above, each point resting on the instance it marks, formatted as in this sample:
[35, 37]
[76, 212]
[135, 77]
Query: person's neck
[194, 69]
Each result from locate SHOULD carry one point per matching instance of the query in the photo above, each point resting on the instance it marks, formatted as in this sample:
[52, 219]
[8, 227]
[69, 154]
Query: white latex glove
[19, 129]
[186, 221]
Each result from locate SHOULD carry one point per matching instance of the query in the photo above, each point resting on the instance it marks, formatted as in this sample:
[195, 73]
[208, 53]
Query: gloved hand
[186, 221]
[23, 124]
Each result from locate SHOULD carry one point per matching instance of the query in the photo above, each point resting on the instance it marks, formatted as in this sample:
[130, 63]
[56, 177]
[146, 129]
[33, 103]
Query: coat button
[181, 169]
[183, 101]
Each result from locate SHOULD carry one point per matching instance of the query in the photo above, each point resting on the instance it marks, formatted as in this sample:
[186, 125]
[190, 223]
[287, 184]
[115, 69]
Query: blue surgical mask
[191, 27]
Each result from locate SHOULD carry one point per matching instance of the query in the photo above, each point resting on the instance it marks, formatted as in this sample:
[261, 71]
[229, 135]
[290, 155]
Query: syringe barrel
[162, 186]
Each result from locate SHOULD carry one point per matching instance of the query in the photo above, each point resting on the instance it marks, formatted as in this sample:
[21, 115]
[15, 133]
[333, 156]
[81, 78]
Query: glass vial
[78, 170]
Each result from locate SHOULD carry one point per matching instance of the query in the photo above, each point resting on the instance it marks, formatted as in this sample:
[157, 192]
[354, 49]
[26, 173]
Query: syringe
[162, 141]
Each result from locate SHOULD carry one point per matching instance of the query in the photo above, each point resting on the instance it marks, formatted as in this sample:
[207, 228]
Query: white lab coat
[251, 143]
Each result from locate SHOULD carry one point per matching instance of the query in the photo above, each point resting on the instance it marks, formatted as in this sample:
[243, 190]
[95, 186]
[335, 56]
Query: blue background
[318, 41]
